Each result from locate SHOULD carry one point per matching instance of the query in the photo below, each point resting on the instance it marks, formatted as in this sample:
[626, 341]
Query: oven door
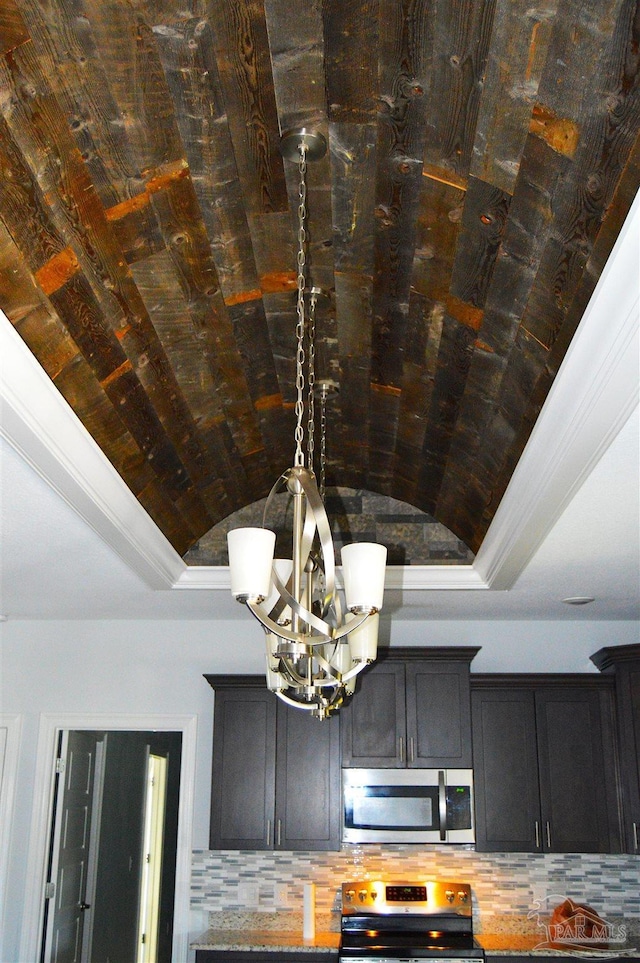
[408, 806]
[409, 947]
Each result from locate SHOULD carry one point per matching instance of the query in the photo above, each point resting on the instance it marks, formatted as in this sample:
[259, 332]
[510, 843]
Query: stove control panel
[422, 897]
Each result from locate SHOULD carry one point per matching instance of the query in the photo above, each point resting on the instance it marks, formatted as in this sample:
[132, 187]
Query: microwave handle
[442, 804]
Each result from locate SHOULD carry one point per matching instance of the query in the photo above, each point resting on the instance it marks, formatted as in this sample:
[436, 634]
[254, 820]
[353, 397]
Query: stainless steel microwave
[407, 806]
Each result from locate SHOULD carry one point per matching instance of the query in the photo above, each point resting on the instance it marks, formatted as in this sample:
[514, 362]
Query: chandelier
[315, 647]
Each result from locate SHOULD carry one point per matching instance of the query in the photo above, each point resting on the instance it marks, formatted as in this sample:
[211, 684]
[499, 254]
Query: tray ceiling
[482, 158]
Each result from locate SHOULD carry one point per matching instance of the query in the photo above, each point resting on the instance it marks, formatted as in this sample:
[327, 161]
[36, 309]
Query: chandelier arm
[310, 706]
[324, 533]
[284, 633]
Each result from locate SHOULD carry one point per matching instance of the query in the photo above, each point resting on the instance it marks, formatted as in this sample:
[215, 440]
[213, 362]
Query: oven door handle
[442, 804]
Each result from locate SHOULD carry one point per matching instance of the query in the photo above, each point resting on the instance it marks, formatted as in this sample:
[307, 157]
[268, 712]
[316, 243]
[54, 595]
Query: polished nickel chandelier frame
[314, 651]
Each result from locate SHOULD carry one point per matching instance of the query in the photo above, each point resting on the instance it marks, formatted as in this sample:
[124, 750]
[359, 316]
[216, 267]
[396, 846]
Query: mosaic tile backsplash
[502, 882]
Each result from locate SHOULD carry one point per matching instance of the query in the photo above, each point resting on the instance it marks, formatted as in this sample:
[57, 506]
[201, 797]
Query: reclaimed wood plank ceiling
[482, 157]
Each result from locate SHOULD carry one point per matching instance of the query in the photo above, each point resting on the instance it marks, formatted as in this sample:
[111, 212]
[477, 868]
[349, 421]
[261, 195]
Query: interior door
[68, 908]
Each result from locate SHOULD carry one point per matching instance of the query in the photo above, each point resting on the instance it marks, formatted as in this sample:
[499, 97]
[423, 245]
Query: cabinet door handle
[635, 836]
[279, 833]
[548, 828]
[537, 834]
[401, 748]
[268, 832]
[442, 805]
[411, 750]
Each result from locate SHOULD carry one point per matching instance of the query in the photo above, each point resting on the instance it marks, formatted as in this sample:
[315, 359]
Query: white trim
[592, 397]
[405, 577]
[50, 725]
[8, 774]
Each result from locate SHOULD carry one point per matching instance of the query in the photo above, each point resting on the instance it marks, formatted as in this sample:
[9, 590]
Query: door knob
[84, 906]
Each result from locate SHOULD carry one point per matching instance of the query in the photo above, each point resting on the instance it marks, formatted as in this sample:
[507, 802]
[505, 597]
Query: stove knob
[349, 895]
[373, 895]
[463, 896]
[362, 895]
[450, 895]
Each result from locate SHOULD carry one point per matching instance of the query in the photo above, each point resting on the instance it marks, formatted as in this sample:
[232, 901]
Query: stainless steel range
[407, 921]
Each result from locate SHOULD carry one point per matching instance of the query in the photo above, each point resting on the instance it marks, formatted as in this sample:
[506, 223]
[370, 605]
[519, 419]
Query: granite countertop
[247, 932]
[507, 936]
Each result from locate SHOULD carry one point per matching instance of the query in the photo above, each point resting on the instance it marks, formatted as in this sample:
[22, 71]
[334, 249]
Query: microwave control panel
[425, 897]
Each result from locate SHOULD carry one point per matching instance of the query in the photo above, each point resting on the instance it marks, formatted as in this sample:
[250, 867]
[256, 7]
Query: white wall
[112, 667]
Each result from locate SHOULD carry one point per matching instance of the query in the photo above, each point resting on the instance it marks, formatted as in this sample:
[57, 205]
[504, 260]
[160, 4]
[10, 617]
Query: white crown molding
[592, 397]
[402, 577]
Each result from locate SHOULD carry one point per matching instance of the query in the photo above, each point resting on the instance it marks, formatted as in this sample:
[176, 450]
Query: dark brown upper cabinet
[544, 764]
[411, 709]
[276, 771]
[623, 662]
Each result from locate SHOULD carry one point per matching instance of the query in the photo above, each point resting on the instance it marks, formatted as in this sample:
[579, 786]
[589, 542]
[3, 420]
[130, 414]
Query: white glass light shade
[250, 559]
[343, 662]
[283, 567]
[364, 641]
[363, 569]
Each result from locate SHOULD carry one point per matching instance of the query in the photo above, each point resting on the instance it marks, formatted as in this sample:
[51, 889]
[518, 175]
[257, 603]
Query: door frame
[8, 780]
[50, 725]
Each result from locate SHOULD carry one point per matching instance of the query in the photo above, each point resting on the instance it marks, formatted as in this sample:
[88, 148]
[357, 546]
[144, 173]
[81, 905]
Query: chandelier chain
[311, 377]
[323, 443]
[301, 282]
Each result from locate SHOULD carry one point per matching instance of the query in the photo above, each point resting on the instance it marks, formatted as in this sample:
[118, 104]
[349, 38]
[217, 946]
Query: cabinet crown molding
[607, 658]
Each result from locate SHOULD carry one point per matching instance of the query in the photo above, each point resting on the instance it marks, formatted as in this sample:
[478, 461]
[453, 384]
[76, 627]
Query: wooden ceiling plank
[296, 42]
[187, 342]
[454, 362]
[238, 33]
[514, 271]
[351, 33]
[353, 165]
[426, 319]
[608, 117]
[405, 67]
[70, 59]
[13, 30]
[254, 347]
[485, 213]
[186, 52]
[353, 170]
[516, 58]
[81, 314]
[128, 51]
[461, 34]
[438, 226]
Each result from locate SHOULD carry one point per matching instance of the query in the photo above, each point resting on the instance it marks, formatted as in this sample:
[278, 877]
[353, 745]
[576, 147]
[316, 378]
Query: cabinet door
[628, 690]
[374, 723]
[438, 715]
[573, 771]
[243, 779]
[507, 794]
[307, 781]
